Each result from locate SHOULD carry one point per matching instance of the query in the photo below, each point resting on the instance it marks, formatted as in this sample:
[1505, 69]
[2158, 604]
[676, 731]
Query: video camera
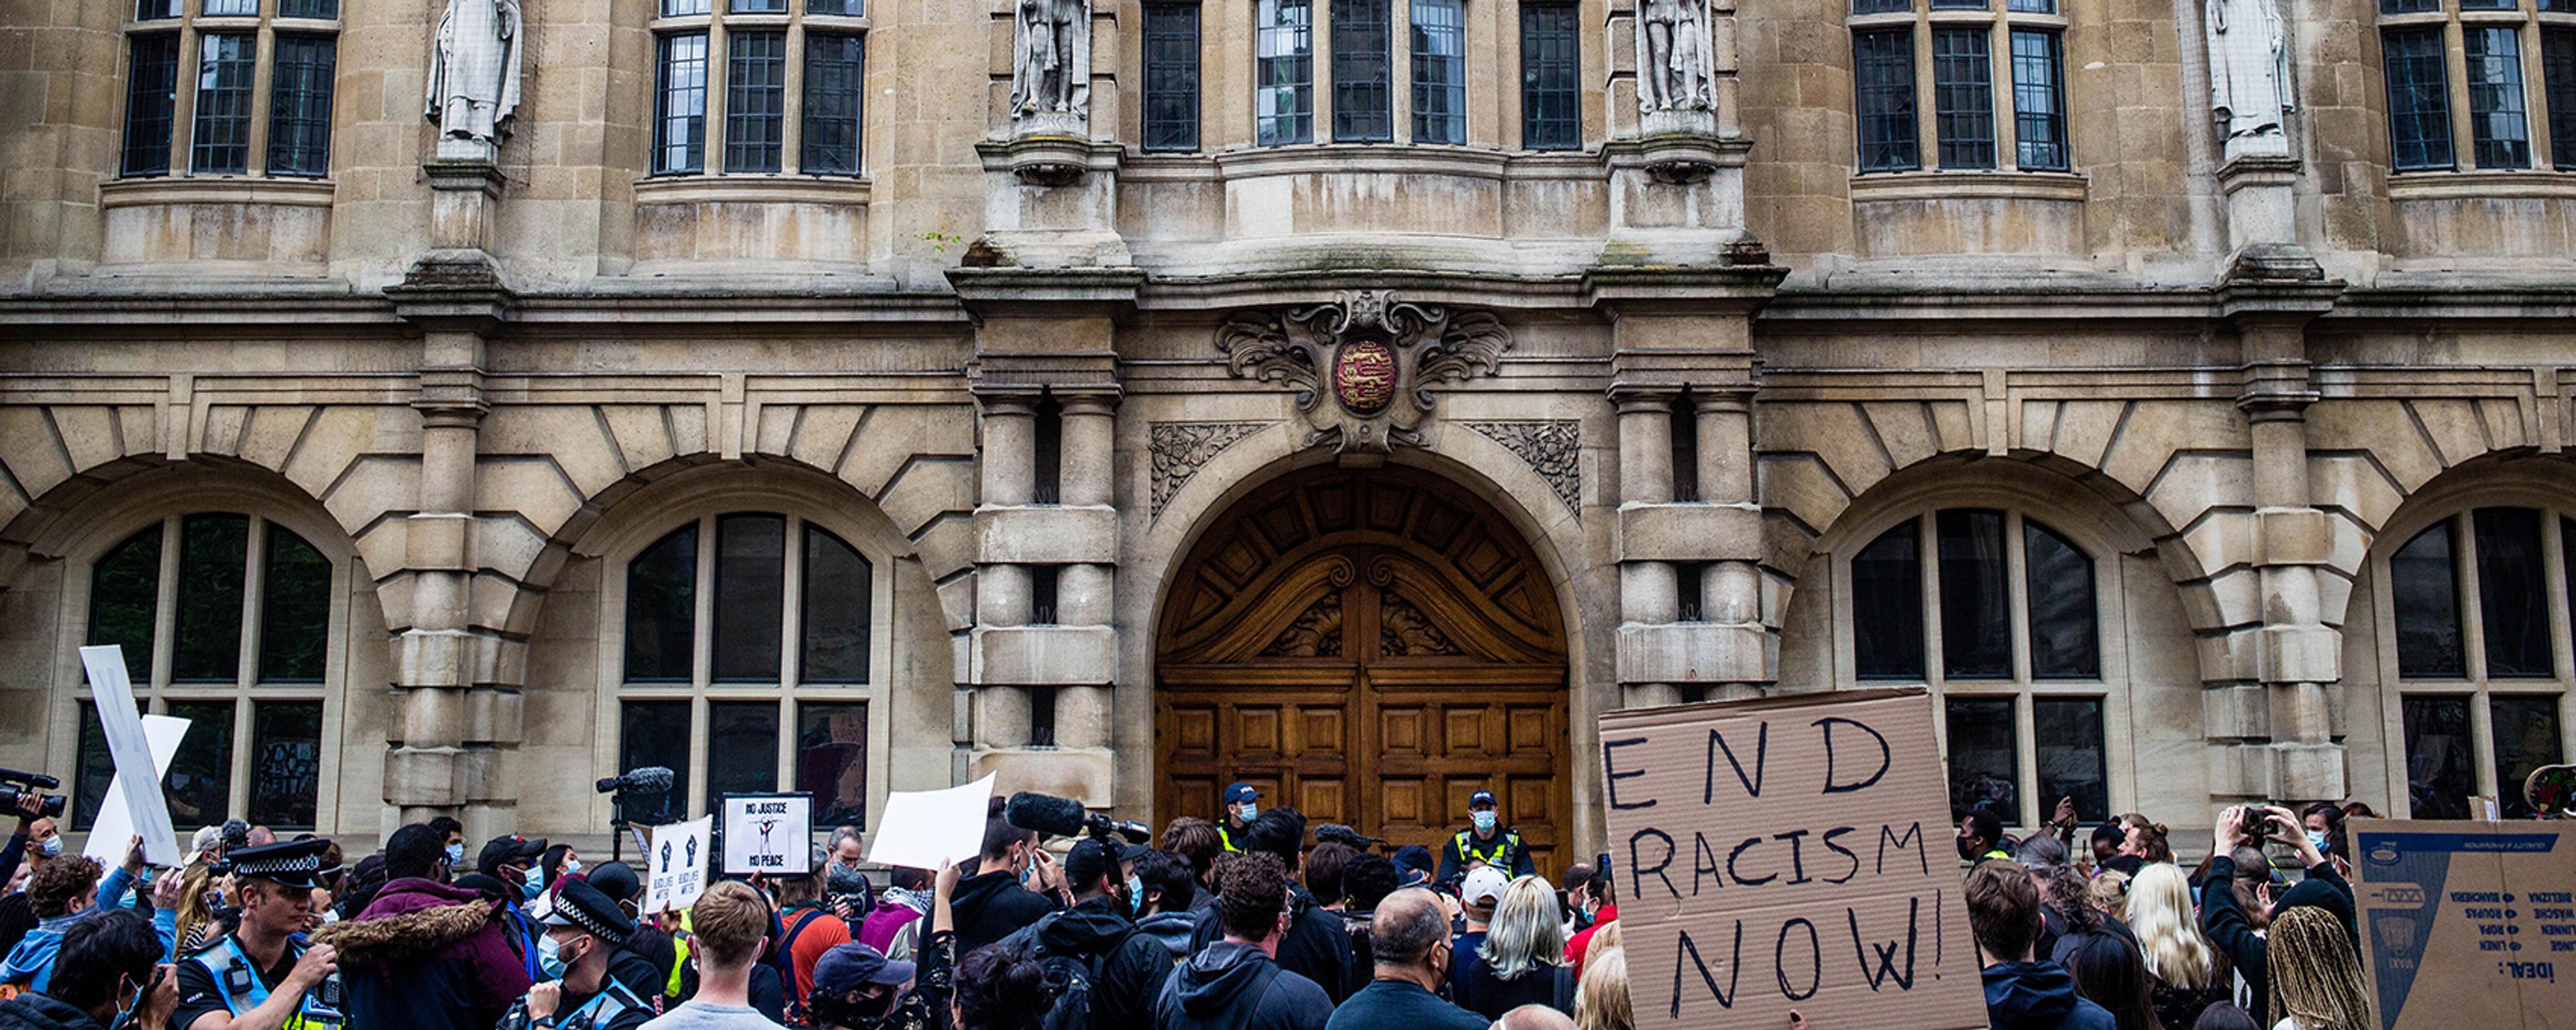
[643, 795]
[15, 784]
[1340, 834]
[1065, 817]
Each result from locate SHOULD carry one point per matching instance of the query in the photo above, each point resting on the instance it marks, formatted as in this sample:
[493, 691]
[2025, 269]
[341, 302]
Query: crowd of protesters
[1246, 922]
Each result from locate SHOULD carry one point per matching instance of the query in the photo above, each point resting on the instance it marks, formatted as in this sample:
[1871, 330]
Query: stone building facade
[1356, 398]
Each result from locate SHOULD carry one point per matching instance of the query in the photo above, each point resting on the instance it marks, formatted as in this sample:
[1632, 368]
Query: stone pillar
[1648, 590]
[455, 692]
[1083, 589]
[1731, 591]
[1002, 711]
[2281, 728]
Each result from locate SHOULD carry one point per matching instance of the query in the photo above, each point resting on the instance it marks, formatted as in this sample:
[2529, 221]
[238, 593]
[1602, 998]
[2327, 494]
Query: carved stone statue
[1051, 64]
[474, 76]
[2249, 74]
[1673, 69]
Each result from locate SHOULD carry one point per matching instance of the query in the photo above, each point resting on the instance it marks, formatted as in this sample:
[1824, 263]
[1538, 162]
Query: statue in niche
[1051, 62]
[474, 76]
[1673, 69]
[2249, 74]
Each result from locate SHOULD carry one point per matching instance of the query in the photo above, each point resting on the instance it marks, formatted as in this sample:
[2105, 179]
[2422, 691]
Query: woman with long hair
[1522, 961]
[2107, 971]
[1604, 1002]
[2190, 973]
[2316, 981]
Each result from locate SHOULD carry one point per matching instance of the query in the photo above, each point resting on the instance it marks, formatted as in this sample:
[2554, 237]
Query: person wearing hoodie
[1016, 884]
[1170, 903]
[1127, 967]
[2232, 924]
[424, 955]
[1236, 983]
[1317, 945]
[110, 972]
[67, 890]
[2022, 993]
[905, 902]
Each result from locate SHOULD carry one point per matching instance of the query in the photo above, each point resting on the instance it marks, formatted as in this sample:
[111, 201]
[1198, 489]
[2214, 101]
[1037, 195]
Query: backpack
[796, 1012]
[1070, 979]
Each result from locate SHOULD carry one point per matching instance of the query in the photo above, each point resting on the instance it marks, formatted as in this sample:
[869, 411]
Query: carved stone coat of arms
[1363, 366]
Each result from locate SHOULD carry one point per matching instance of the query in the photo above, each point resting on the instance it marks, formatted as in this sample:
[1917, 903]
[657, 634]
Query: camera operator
[37, 840]
[1485, 842]
[1125, 967]
[853, 896]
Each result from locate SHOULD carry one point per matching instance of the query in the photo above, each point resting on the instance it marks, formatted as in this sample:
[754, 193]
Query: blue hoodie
[32, 961]
[2040, 996]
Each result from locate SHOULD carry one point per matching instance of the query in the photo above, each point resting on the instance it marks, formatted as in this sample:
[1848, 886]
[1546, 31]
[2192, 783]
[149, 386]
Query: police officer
[1242, 803]
[264, 975]
[1485, 842]
[582, 929]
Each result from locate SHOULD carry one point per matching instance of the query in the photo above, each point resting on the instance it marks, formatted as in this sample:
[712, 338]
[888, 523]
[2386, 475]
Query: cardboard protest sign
[1788, 853]
[768, 833]
[2467, 923]
[675, 866]
[136, 775]
[933, 829]
[113, 832]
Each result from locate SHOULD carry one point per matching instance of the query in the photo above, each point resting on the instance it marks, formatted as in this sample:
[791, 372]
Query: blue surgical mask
[1484, 821]
[1135, 896]
[2317, 839]
[1246, 811]
[455, 855]
[532, 888]
[571, 867]
[52, 847]
[549, 958]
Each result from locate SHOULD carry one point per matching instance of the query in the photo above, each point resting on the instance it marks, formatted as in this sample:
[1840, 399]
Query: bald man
[1534, 1017]
[1409, 937]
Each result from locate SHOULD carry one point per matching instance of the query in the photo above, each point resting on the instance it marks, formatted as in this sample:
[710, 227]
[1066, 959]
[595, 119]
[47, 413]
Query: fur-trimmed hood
[409, 920]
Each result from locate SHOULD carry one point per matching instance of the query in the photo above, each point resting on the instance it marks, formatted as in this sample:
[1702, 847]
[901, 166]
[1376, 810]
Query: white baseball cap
[1483, 888]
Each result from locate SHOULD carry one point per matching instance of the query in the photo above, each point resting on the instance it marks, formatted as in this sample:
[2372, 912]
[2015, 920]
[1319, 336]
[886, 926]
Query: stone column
[1731, 592]
[1009, 480]
[1648, 590]
[1083, 589]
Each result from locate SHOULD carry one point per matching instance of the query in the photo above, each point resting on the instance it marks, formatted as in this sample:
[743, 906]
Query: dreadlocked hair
[2315, 978]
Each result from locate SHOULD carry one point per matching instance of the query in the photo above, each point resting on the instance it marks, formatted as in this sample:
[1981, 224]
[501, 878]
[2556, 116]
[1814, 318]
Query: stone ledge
[751, 189]
[1047, 535]
[1691, 652]
[1062, 656]
[226, 190]
[2482, 185]
[1689, 532]
[1981, 184]
[1083, 774]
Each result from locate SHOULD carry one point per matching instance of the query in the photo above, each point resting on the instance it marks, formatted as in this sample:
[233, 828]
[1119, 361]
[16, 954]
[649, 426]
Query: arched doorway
[1371, 646]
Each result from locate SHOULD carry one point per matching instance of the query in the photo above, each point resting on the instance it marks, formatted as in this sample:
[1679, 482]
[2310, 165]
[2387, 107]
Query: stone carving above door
[1552, 447]
[1180, 448]
[1363, 366]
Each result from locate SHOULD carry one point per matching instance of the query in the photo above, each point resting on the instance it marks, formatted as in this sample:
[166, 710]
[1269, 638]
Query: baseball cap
[847, 967]
[1239, 792]
[1482, 797]
[1483, 888]
[504, 849]
[1414, 861]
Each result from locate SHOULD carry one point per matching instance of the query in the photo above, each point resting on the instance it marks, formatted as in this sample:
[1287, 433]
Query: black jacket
[2040, 996]
[1214, 991]
[1316, 946]
[32, 1011]
[1127, 967]
[2225, 923]
[992, 906]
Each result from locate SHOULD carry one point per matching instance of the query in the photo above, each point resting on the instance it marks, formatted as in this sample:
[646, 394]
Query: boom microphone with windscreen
[651, 779]
[1065, 817]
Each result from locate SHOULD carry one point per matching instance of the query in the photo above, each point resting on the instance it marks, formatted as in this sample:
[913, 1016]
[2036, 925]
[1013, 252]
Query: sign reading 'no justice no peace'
[1788, 853]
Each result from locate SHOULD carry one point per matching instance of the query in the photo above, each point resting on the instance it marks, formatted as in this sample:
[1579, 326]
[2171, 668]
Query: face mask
[531, 888]
[1135, 896]
[2317, 839]
[1246, 811]
[1484, 821]
[550, 958]
[455, 854]
[572, 867]
[1964, 851]
[1028, 873]
[52, 847]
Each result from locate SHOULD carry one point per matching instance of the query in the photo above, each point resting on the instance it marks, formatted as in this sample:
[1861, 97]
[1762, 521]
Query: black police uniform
[222, 977]
[614, 1006]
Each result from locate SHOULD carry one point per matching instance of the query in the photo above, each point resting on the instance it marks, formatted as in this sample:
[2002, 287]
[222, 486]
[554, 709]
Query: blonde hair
[1524, 933]
[2315, 978]
[2108, 892]
[1602, 1003]
[2159, 914]
[1605, 939]
[728, 922]
[195, 916]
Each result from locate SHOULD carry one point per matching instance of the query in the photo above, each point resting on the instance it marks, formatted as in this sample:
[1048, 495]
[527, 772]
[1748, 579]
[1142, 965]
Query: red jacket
[1576, 945]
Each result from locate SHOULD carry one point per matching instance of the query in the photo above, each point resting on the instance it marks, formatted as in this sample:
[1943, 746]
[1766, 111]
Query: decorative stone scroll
[1363, 367]
[1553, 449]
[473, 87]
[1179, 448]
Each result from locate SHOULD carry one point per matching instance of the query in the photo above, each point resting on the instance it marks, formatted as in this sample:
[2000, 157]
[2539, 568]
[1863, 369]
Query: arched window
[737, 624]
[2477, 604]
[1996, 613]
[226, 622]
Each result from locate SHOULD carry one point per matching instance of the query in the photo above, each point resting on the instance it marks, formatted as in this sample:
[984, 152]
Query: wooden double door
[1372, 647]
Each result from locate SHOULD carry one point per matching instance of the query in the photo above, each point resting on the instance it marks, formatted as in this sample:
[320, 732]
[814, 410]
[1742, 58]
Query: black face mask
[864, 1014]
[1965, 850]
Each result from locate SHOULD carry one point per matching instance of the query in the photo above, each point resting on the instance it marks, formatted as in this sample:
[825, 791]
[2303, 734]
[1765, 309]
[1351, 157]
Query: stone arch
[2179, 472]
[1558, 536]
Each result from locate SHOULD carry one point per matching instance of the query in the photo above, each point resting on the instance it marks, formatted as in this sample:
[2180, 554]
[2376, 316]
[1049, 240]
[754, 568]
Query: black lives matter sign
[1788, 853]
